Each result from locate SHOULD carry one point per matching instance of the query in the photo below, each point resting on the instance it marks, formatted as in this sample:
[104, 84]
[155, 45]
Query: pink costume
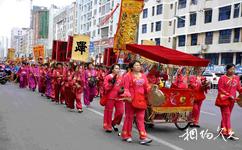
[89, 91]
[22, 73]
[42, 80]
[112, 92]
[227, 88]
[32, 79]
[196, 85]
[131, 86]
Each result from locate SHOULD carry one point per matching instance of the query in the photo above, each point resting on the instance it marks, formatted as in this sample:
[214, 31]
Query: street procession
[127, 91]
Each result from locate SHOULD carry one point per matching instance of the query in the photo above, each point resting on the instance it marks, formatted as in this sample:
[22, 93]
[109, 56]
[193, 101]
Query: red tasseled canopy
[166, 55]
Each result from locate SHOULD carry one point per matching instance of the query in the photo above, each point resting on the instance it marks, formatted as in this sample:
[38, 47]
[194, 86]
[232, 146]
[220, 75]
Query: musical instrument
[156, 97]
[239, 100]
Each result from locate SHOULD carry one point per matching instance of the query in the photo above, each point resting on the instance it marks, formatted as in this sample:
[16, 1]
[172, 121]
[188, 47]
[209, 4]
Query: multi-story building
[51, 34]
[65, 22]
[208, 28]
[156, 22]
[40, 19]
[18, 42]
[4, 45]
[90, 15]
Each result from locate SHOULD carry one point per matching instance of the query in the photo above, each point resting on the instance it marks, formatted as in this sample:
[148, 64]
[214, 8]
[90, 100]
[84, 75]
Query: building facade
[4, 45]
[91, 14]
[208, 28]
[65, 22]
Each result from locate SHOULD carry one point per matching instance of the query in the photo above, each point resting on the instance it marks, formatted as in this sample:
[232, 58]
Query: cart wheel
[182, 126]
[149, 126]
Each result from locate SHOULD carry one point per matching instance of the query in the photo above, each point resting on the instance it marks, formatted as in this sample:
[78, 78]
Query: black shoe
[115, 128]
[108, 131]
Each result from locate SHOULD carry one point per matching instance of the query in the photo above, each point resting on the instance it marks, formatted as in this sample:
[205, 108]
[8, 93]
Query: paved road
[31, 122]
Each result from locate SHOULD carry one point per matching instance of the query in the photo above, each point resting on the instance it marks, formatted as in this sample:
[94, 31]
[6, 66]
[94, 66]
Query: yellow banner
[128, 23]
[80, 47]
[39, 52]
[11, 54]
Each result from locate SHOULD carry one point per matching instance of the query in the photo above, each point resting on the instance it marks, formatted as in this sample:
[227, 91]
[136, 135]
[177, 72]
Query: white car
[212, 78]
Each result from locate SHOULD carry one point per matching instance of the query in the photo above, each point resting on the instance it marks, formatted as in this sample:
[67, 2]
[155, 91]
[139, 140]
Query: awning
[166, 55]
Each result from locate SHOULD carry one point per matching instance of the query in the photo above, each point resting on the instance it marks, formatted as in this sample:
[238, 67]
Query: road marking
[208, 113]
[159, 140]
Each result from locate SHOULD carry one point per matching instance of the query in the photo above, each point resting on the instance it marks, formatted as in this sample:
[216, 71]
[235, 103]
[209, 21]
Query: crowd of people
[72, 83]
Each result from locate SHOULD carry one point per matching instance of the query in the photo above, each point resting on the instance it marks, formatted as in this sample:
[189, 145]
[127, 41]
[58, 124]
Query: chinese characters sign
[11, 54]
[80, 48]
[38, 51]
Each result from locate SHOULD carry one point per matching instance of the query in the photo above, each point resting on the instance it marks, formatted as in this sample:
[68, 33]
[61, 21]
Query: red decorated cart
[177, 103]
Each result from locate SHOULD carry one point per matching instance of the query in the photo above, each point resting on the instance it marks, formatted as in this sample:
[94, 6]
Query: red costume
[112, 91]
[132, 86]
[57, 76]
[196, 83]
[227, 88]
[78, 84]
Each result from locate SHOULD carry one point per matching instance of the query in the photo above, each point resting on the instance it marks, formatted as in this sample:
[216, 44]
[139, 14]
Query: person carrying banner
[135, 89]
[228, 85]
[90, 84]
[113, 89]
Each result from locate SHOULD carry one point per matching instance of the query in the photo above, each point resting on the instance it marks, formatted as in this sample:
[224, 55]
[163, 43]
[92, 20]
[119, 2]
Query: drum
[156, 97]
[239, 101]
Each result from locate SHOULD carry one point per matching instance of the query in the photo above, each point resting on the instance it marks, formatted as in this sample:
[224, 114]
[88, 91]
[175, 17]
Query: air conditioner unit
[204, 47]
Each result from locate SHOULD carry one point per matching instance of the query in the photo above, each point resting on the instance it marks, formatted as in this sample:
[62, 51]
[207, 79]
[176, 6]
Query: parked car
[212, 78]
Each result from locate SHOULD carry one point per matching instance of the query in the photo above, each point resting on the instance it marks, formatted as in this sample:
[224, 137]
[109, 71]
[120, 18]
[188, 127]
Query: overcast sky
[16, 13]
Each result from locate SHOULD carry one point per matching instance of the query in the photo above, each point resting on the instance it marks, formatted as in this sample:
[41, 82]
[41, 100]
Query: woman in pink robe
[22, 73]
[228, 85]
[32, 78]
[90, 84]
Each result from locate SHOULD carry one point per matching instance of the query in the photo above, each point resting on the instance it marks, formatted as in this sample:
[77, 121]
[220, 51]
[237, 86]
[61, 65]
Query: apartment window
[225, 36]
[227, 58]
[182, 4]
[194, 39]
[181, 22]
[194, 2]
[193, 19]
[145, 13]
[181, 40]
[236, 10]
[159, 9]
[209, 38]
[224, 13]
[153, 10]
[152, 27]
[208, 16]
[157, 41]
[236, 34]
[144, 28]
[158, 26]
[238, 58]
